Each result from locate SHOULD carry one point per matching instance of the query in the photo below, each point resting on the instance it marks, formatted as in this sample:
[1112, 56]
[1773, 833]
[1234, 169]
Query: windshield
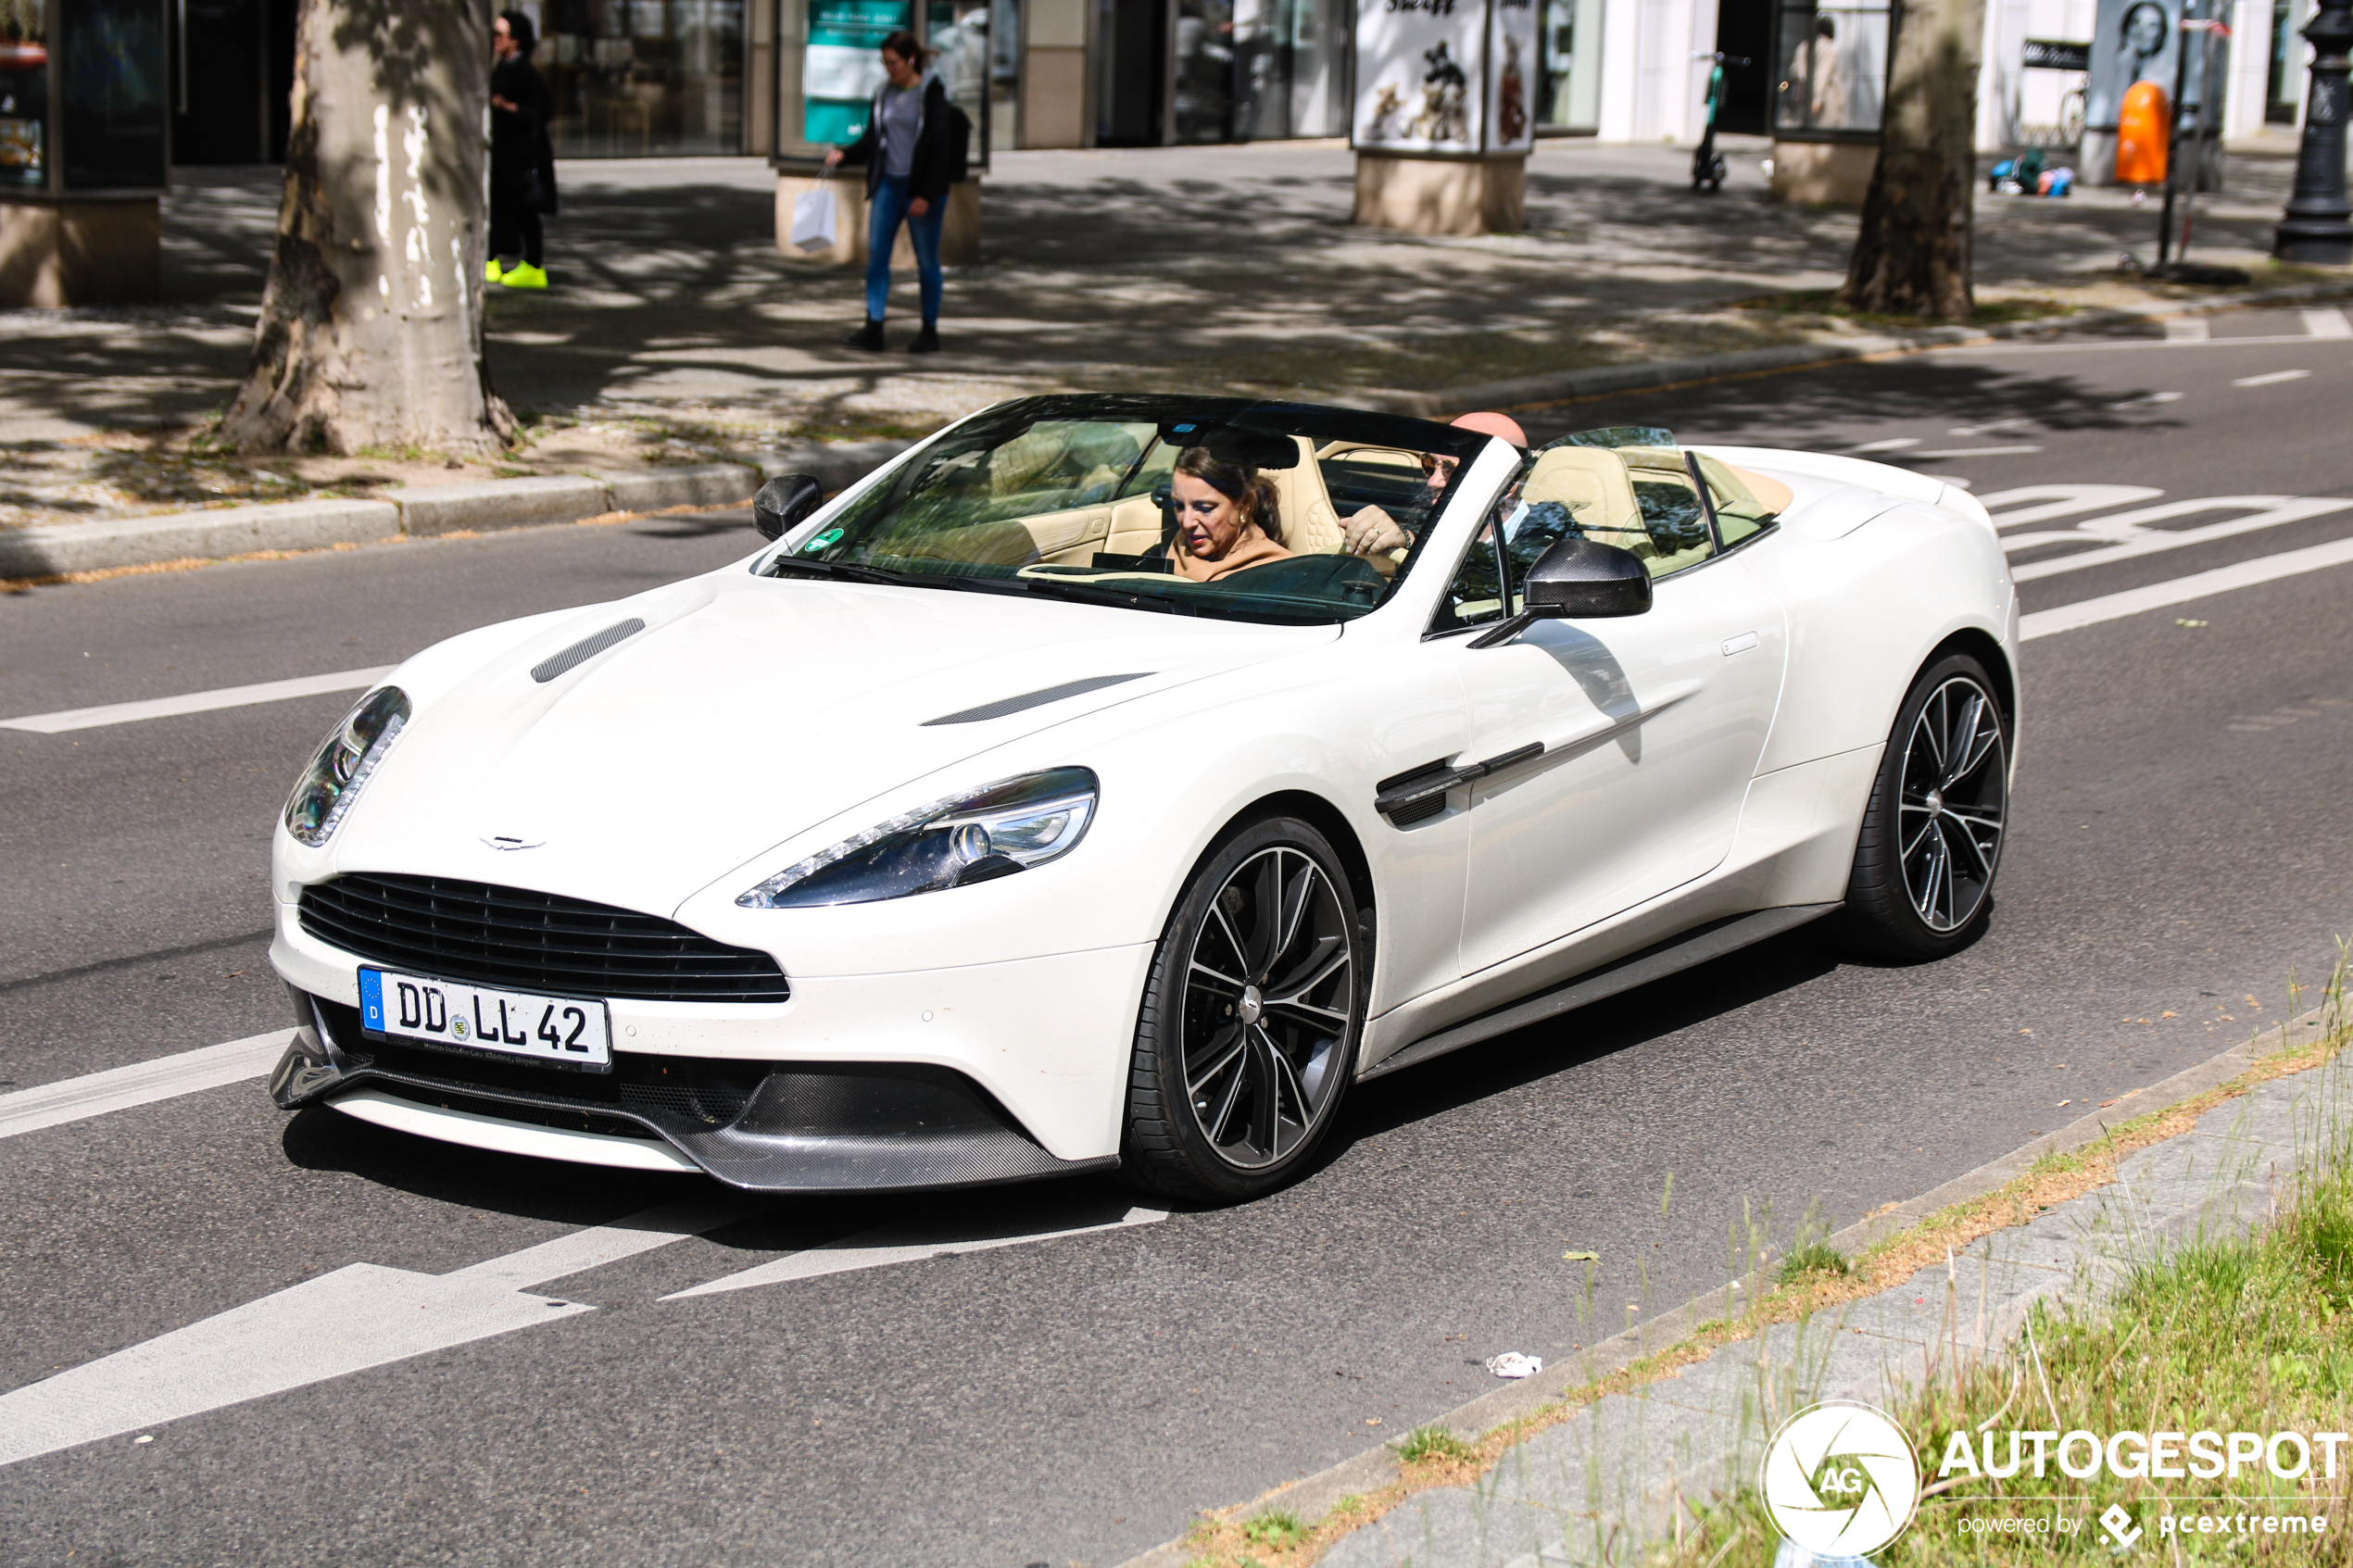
[1221, 506]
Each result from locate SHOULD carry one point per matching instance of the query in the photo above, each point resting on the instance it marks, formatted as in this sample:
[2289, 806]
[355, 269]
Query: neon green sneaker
[525, 276]
[490, 270]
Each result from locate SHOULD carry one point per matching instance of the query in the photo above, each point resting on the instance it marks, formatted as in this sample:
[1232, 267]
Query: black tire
[1930, 846]
[1246, 1037]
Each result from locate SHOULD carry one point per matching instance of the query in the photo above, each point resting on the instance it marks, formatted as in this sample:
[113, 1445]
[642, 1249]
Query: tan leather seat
[1592, 483]
[1311, 526]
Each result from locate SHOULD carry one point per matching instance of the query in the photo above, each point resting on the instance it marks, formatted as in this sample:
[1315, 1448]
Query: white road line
[357, 1317]
[2186, 328]
[2327, 321]
[2181, 590]
[906, 1243]
[2135, 541]
[2273, 379]
[2010, 508]
[196, 702]
[1974, 452]
[1894, 444]
[142, 1082]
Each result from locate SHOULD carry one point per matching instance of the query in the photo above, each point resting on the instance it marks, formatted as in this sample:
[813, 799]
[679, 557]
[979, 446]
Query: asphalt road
[2176, 854]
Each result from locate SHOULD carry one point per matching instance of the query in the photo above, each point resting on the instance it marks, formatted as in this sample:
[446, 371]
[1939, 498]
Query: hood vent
[1005, 706]
[586, 649]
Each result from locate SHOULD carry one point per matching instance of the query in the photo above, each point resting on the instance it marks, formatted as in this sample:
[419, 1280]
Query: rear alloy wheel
[1248, 1032]
[1931, 838]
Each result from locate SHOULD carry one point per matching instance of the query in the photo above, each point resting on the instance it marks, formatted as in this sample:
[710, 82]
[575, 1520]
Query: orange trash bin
[2143, 126]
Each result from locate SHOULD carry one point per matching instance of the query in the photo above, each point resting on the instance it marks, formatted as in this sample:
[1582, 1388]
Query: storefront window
[643, 77]
[956, 31]
[2279, 94]
[113, 95]
[1570, 37]
[1833, 66]
[24, 93]
[1261, 70]
[1004, 73]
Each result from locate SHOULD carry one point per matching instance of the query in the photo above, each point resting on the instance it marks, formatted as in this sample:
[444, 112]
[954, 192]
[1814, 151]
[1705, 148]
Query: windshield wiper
[850, 571]
[1079, 592]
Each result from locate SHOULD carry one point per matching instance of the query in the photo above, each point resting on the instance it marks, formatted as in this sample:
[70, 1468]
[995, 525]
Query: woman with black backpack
[913, 149]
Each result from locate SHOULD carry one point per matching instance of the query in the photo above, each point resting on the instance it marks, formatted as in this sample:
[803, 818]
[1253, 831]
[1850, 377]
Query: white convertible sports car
[1111, 781]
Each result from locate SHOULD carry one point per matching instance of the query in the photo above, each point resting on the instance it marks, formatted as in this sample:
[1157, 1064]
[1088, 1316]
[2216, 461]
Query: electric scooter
[1708, 164]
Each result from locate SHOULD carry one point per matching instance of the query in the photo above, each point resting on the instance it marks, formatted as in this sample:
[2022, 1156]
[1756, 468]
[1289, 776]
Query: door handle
[1432, 781]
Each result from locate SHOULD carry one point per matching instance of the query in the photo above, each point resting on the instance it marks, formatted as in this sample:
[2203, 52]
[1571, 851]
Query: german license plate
[567, 1030]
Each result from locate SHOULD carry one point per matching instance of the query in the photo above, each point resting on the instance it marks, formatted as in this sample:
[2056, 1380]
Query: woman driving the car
[1226, 520]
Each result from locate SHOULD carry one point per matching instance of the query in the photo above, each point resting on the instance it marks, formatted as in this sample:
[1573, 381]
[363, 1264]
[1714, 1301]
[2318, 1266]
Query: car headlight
[336, 775]
[1010, 827]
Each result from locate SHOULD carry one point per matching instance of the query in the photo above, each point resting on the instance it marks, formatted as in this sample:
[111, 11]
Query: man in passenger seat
[1372, 532]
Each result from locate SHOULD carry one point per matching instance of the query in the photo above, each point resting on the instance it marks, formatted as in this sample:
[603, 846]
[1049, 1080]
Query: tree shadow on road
[1824, 406]
[1589, 1034]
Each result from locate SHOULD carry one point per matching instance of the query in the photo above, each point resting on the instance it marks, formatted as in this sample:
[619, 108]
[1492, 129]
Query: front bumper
[786, 1127]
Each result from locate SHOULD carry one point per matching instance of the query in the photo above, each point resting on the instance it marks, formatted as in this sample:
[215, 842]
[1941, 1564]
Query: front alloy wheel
[1249, 1027]
[1931, 838]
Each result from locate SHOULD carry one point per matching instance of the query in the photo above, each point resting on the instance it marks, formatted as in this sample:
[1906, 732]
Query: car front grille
[482, 934]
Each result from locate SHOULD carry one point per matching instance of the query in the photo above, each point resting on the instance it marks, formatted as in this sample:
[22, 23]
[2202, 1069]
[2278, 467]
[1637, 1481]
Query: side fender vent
[586, 649]
[1005, 706]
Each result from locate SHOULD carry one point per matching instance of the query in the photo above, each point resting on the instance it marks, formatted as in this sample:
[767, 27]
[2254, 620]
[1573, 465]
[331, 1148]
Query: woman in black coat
[909, 152]
[522, 162]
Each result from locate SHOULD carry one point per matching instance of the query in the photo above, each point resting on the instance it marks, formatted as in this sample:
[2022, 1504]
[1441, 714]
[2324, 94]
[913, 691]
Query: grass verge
[1814, 1277]
[2222, 1334]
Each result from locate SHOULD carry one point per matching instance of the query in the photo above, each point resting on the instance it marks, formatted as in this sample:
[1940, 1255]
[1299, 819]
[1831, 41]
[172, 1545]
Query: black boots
[871, 336]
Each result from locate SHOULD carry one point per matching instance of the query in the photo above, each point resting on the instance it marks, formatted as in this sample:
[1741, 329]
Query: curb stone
[59, 547]
[499, 503]
[53, 550]
[1311, 1498]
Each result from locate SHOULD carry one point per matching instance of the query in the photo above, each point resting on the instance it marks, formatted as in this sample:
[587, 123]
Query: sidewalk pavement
[1604, 1486]
[676, 335]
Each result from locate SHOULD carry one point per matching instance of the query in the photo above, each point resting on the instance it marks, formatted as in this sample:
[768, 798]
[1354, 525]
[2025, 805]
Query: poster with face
[1420, 75]
[2132, 41]
[1511, 76]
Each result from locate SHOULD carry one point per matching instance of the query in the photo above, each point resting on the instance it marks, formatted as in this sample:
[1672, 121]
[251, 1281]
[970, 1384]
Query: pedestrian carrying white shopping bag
[812, 219]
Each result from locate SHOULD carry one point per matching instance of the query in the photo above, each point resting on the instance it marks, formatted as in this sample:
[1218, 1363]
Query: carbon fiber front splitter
[786, 1127]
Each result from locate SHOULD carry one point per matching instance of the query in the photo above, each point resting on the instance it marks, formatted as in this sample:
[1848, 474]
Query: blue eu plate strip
[372, 999]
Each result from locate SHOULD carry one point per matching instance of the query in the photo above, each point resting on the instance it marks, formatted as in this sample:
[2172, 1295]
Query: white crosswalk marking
[2327, 321]
[2182, 590]
[2011, 509]
[2128, 535]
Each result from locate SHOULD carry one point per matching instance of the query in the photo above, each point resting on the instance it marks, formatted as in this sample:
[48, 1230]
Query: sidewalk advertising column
[83, 151]
[2136, 41]
[1446, 115]
[829, 67]
[1829, 89]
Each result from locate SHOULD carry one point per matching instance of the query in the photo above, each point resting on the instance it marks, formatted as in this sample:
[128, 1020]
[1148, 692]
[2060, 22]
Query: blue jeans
[882, 231]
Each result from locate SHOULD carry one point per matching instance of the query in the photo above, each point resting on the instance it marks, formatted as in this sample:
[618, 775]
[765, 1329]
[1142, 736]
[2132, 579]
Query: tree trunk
[370, 328]
[1912, 258]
